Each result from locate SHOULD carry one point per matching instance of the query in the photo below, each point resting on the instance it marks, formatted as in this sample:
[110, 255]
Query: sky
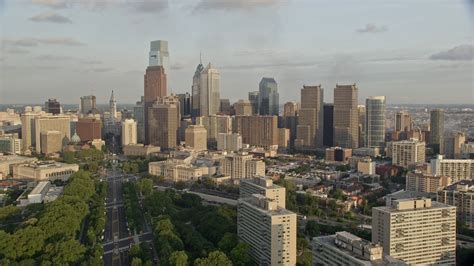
[411, 51]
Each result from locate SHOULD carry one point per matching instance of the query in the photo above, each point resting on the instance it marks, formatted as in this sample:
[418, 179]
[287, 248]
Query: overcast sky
[412, 51]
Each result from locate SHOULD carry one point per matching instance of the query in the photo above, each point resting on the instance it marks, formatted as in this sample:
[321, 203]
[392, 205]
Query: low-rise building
[10, 144]
[366, 167]
[346, 249]
[44, 170]
[338, 154]
[460, 195]
[140, 150]
[7, 163]
[39, 192]
[178, 169]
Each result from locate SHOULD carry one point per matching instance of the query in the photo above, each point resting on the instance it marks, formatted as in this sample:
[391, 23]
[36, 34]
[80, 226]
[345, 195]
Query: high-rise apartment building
[437, 130]
[242, 165]
[263, 186]
[375, 122]
[421, 182]
[163, 120]
[243, 107]
[268, 229]
[346, 116]
[407, 152]
[89, 128]
[52, 106]
[88, 104]
[328, 127]
[309, 132]
[196, 137]
[403, 121]
[129, 132]
[417, 231]
[268, 99]
[457, 169]
[231, 142]
[46, 123]
[461, 195]
[253, 98]
[257, 130]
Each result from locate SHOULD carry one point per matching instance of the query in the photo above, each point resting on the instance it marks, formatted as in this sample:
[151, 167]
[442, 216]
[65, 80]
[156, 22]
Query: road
[206, 197]
[117, 238]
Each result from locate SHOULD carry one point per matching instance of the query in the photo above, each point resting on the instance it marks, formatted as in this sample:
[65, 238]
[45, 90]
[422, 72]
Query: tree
[178, 258]
[137, 262]
[240, 255]
[228, 242]
[145, 186]
[215, 258]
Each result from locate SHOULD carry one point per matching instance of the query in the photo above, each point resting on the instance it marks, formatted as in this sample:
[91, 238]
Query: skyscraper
[328, 125]
[139, 114]
[113, 107]
[257, 130]
[403, 121]
[417, 231]
[290, 109]
[253, 98]
[88, 104]
[362, 124]
[185, 104]
[163, 119]
[243, 107]
[196, 92]
[52, 106]
[209, 87]
[375, 122]
[309, 132]
[155, 87]
[224, 107]
[346, 116]
[268, 99]
[437, 130]
[159, 55]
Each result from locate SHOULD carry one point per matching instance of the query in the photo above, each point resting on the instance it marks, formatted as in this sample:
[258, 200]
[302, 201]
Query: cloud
[16, 50]
[91, 62]
[149, 6]
[458, 53]
[252, 53]
[372, 28]
[54, 57]
[50, 17]
[57, 4]
[31, 42]
[177, 66]
[87, 4]
[104, 69]
[205, 5]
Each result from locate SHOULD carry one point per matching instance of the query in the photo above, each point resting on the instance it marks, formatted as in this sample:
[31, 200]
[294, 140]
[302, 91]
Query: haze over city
[409, 51]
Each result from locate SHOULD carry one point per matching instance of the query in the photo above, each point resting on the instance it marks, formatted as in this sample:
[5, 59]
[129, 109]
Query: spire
[112, 97]
[200, 57]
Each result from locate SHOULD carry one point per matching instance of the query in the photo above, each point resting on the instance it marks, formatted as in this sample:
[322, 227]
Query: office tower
[46, 123]
[362, 124]
[52, 106]
[421, 182]
[209, 87]
[196, 137]
[461, 195]
[459, 140]
[268, 98]
[437, 130]
[231, 142]
[51, 141]
[417, 231]
[139, 115]
[375, 122]
[269, 230]
[129, 132]
[253, 99]
[309, 132]
[403, 121]
[257, 130]
[159, 56]
[407, 152]
[283, 138]
[28, 129]
[215, 124]
[344, 248]
[185, 123]
[196, 92]
[113, 108]
[88, 105]
[328, 135]
[155, 88]
[89, 128]
[346, 116]
[265, 187]
[457, 169]
[243, 107]
[10, 144]
[242, 165]
[163, 120]
[185, 104]
[225, 107]
[290, 109]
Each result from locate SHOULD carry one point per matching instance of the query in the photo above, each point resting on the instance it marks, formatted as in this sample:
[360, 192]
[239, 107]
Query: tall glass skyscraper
[437, 130]
[268, 101]
[375, 121]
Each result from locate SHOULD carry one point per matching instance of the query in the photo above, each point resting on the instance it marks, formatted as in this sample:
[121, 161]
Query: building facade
[309, 132]
[129, 132]
[263, 186]
[196, 137]
[346, 116]
[461, 195]
[375, 122]
[407, 152]
[268, 97]
[257, 130]
[437, 130]
[421, 182]
[457, 169]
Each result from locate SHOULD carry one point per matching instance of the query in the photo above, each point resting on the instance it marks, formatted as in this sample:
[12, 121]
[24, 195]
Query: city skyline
[74, 58]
